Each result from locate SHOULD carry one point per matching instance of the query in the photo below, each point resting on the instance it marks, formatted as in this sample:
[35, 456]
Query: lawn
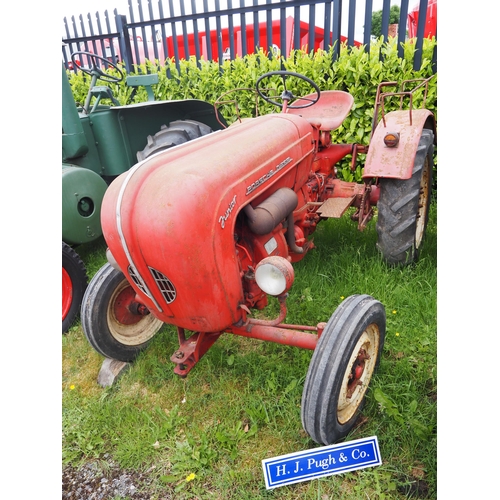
[205, 436]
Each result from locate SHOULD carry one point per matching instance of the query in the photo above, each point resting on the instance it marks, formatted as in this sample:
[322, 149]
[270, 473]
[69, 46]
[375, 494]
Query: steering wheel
[94, 69]
[287, 95]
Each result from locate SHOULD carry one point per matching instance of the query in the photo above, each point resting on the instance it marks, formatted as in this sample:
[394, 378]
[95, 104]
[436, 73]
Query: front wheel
[115, 324]
[342, 365]
[403, 208]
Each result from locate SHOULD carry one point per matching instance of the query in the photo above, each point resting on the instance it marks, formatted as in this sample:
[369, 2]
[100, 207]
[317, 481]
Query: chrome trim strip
[130, 173]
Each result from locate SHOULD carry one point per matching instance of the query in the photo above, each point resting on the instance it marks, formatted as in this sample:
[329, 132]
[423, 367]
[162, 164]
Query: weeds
[207, 434]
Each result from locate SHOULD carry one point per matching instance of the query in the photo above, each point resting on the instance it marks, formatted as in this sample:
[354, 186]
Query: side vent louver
[166, 287]
[137, 281]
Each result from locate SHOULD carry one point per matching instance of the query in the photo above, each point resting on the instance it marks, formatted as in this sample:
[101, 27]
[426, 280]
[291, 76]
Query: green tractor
[101, 141]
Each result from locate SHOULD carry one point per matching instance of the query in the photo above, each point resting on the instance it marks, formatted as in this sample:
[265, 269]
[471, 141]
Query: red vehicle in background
[212, 39]
[430, 20]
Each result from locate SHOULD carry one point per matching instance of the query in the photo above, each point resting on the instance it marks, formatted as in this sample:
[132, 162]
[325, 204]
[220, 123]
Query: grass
[205, 436]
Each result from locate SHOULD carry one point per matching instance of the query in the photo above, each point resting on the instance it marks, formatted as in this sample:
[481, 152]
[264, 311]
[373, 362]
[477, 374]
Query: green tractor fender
[82, 194]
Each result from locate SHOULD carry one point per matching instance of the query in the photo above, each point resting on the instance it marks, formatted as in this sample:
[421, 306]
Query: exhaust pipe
[266, 216]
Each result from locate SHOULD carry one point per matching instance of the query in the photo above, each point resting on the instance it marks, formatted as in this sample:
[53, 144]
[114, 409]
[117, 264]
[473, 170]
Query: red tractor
[200, 234]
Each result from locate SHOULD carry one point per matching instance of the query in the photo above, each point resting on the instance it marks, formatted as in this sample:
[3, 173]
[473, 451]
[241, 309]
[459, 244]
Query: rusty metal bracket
[357, 149]
[365, 211]
[305, 337]
[402, 93]
[222, 100]
[191, 350]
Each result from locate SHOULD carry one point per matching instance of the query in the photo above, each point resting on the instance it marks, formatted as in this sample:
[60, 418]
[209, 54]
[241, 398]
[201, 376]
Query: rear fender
[397, 162]
[82, 194]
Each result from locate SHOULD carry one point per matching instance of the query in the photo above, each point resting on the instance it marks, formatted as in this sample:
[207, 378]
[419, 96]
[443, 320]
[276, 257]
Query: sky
[76, 7]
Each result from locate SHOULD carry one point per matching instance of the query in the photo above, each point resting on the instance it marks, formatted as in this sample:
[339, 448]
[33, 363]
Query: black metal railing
[160, 30]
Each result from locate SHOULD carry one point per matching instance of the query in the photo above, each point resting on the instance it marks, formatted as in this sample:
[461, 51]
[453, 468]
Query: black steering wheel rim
[287, 95]
[93, 57]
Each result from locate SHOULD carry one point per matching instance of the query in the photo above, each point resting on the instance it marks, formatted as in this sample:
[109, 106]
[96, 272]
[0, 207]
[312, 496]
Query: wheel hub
[356, 372]
[129, 322]
[127, 310]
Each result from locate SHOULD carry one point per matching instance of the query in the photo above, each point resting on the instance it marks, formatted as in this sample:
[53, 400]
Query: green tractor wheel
[176, 133]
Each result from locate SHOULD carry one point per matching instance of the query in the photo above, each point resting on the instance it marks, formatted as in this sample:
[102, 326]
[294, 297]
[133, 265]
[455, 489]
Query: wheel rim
[125, 326]
[67, 293]
[423, 203]
[358, 374]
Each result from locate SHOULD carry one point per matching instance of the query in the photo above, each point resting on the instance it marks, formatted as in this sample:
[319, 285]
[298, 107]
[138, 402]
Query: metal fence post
[417, 61]
[336, 23]
[211, 44]
[124, 41]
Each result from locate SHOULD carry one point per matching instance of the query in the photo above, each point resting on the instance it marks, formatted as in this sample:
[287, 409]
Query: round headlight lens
[274, 275]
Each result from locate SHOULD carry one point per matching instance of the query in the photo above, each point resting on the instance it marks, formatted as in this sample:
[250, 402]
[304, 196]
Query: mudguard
[397, 162]
[82, 194]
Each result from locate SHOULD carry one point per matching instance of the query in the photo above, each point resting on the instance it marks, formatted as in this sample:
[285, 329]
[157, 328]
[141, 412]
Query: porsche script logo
[267, 176]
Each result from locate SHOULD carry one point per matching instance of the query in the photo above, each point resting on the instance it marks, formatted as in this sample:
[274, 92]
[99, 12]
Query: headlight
[274, 275]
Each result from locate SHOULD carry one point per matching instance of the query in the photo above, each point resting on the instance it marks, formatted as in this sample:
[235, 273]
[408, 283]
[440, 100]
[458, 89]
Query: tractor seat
[329, 112]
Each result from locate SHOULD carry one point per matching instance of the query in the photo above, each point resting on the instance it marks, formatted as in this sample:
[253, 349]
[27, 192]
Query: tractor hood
[169, 221]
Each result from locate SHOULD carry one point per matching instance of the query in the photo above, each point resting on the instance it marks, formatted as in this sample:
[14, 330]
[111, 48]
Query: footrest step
[335, 207]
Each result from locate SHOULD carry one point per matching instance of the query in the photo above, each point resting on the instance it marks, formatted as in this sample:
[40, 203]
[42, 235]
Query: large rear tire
[403, 208]
[74, 283]
[344, 360]
[176, 133]
[111, 320]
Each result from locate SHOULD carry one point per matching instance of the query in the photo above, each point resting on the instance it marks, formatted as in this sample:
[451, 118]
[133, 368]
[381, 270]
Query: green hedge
[354, 71]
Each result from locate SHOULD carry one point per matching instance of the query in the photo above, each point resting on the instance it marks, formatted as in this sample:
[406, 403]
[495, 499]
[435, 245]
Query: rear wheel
[342, 365]
[74, 283]
[176, 133]
[115, 324]
[403, 208]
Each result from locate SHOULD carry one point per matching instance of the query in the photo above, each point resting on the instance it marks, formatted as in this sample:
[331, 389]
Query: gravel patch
[92, 481]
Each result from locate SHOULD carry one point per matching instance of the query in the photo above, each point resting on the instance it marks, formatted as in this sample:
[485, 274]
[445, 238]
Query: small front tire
[344, 360]
[110, 319]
